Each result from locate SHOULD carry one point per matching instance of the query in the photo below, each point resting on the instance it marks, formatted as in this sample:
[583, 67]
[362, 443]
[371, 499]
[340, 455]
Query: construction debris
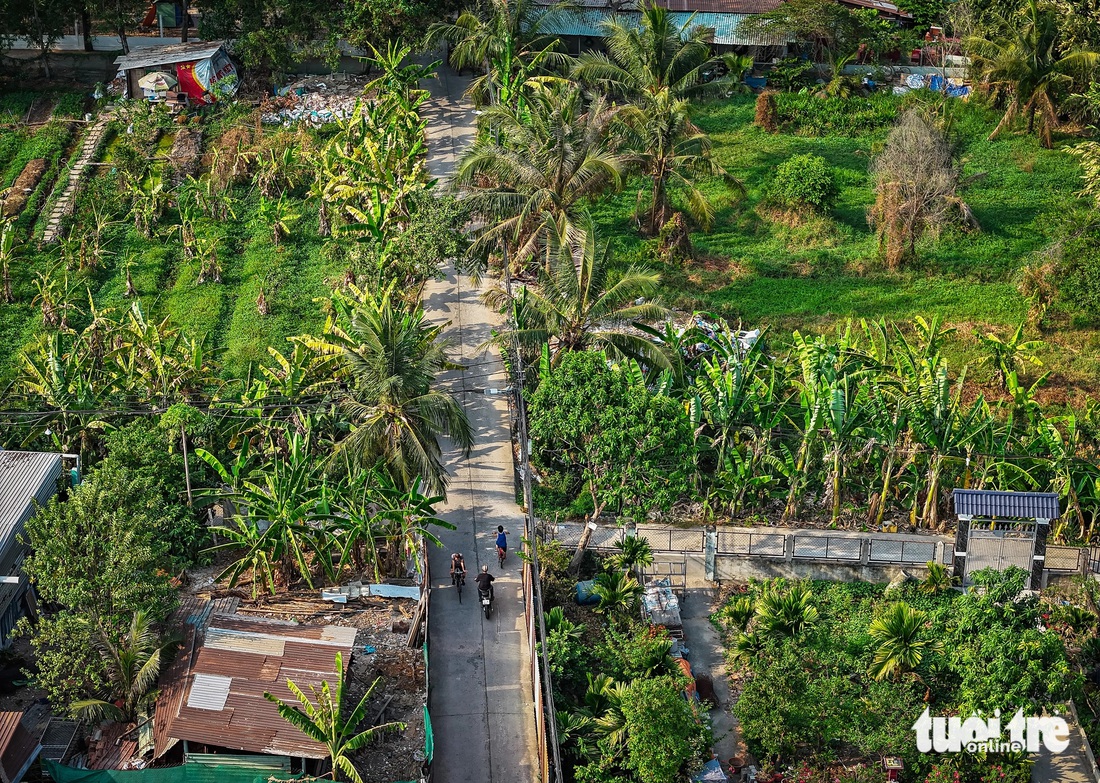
[316, 100]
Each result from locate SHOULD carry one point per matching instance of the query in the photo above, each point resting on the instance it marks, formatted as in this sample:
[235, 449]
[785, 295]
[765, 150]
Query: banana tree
[8, 250]
[846, 421]
[939, 424]
[1073, 477]
[281, 525]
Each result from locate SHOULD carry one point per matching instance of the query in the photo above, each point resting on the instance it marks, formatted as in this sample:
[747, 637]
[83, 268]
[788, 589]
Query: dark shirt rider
[485, 580]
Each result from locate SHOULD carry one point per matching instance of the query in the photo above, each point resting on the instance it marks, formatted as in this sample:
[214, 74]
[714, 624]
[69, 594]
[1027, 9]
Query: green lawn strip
[291, 276]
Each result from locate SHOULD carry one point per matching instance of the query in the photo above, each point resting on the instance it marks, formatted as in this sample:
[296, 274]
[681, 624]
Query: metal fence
[875, 549]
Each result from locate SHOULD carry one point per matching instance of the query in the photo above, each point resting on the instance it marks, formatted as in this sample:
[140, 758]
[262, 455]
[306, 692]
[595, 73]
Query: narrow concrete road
[707, 656]
[481, 704]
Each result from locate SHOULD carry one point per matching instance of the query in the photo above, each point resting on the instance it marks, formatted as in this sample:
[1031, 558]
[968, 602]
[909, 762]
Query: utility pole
[550, 718]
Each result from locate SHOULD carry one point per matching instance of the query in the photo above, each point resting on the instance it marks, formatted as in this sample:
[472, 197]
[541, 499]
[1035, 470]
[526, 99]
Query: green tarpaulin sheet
[188, 773]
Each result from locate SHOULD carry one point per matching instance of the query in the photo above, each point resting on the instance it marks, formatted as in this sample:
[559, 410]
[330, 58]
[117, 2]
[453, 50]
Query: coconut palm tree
[577, 307]
[654, 56]
[133, 664]
[674, 154]
[787, 612]
[506, 39]
[901, 641]
[321, 718]
[391, 357]
[532, 176]
[1027, 65]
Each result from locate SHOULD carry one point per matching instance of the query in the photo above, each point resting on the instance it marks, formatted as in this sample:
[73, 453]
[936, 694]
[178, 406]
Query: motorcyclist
[485, 581]
[458, 567]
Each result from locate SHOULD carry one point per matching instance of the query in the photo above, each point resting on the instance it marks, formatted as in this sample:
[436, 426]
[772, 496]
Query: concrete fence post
[788, 547]
[710, 552]
[864, 551]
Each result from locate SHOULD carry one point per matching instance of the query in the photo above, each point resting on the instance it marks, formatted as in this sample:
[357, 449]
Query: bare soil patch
[24, 186]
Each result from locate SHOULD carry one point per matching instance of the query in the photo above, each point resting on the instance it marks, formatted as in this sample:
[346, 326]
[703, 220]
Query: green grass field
[810, 277]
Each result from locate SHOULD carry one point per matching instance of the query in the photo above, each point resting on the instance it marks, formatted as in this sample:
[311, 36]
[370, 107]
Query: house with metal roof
[212, 697]
[581, 24]
[191, 68]
[28, 479]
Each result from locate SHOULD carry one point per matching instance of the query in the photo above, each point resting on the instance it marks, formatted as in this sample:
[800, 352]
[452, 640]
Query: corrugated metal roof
[250, 656]
[154, 56]
[239, 641]
[209, 691]
[1010, 505]
[709, 6]
[25, 477]
[589, 23]
[17, 747]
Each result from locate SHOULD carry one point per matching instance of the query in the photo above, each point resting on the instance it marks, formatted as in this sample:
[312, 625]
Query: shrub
[804, 183]
[808, 115]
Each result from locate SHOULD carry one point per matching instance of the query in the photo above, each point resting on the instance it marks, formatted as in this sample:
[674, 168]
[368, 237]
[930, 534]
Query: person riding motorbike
[485, 582]
[502, 542]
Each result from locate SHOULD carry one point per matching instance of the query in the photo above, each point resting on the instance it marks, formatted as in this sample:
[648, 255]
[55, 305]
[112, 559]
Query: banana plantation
[868, 427]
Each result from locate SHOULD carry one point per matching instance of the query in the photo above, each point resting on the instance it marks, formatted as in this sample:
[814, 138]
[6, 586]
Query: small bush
[804, 183]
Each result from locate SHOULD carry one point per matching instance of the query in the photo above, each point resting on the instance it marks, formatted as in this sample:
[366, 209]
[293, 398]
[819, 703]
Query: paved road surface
[481, 706]
[707, 657]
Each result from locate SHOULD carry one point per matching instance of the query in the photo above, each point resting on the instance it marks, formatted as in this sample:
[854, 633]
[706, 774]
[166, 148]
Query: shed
[197, 66]
[18, 748]
[213, 695]
[27, 479]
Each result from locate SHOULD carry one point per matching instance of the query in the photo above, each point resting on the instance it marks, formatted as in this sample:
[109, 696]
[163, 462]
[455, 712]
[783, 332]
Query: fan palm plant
[787, 612]
[618, 593]
[633, 551]
[391, 357]
[132, 663]
[321, 718]
[938, 579]
[901, 641]
[578, 308]
[531, 177]
[1027, 63]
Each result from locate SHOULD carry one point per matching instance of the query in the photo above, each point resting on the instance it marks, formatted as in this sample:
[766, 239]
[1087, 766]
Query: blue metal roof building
[588, 23]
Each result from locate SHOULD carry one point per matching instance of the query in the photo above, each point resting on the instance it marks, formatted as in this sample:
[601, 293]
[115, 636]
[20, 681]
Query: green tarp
[187, 773]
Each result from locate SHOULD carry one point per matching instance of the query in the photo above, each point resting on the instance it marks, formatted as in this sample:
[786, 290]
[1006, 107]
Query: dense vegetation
[619, 695]
[836, 673]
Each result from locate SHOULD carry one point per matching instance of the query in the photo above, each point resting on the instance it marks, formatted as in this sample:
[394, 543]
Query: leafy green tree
[665, 738]
[99, 557]
[132, 663]
[321, 718]
[901, 641]
[370, 23]
[392, 357]
[1025, 62]
[627, 447]
[270, 36]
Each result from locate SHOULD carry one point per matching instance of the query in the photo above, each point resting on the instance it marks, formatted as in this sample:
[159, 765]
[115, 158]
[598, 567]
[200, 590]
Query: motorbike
[486, 596]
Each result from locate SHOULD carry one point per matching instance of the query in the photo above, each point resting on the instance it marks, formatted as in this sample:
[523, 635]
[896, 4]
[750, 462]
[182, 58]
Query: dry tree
[917, 181]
